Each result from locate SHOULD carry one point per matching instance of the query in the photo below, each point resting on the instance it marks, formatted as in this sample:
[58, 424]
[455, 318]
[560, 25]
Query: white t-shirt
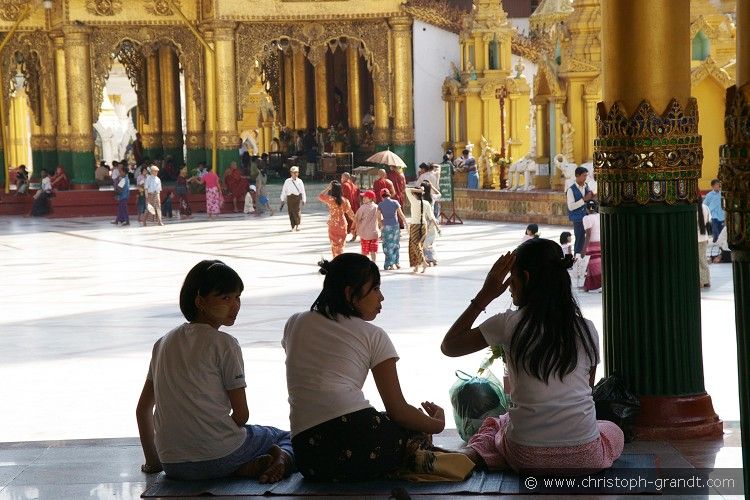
[327, 363]
[591, 221]
[556, 414]
[192, 368]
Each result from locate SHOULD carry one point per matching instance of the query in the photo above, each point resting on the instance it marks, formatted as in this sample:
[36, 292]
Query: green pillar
[82, 164]
[406, 152]
[44, 158]
[224, 157]
[734, 164]
[194, 156]
[2, 167]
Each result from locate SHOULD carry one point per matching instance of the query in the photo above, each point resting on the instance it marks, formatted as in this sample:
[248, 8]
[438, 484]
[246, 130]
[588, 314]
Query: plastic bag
[474, 399]
[615, 403]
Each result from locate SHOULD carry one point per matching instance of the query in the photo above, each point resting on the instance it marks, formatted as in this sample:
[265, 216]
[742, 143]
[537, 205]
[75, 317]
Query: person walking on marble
[153, 196]
[368, 221]
[420, 216]
[330, 350]
[293, 195]
[393, 219]
[196, 377]
[713, 202]
[551, 352]
[339, 209]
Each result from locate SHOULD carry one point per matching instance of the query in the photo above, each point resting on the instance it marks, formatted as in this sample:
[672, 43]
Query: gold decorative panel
[258, 41]
[11, 9]
[160, 7]
[32, 54]
[104, 7]
[106, 41]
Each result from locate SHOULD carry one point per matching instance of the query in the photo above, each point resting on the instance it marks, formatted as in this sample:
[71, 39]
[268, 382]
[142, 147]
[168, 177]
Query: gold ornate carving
[647, 157]
[228, 139]
[160, 7]
[171, 140]
[104, 7]
[263, 42]
[446, 15]
[402, 135]
[11, 9]
[734, 167]
[532, 46]
[106, 41]
[63, 143]
[81, 143]
[381, 136]
[709, 68]
[195, 140]
[32, 54]
[43, 142]
[151, 140]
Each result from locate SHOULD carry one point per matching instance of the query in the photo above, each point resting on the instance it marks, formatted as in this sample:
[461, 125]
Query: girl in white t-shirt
[192, 412]
[552, 353]
[337, 435]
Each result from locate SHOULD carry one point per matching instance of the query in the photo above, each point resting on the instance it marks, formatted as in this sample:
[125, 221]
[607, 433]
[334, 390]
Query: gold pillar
[226, 98]
[300, 88]
[171, 118]
[150, 126]
[209, 123]
[194, 136]
[321, 86]
[353, 85]
[17, 152]
[78, 69]
[63, 123]
[669, 77]
[590, 132]
[288, 90]
[403, 120]
[382, 128]
[267, 135]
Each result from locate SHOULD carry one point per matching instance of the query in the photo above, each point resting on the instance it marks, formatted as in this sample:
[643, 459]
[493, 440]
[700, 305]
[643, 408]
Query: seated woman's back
[327, 364]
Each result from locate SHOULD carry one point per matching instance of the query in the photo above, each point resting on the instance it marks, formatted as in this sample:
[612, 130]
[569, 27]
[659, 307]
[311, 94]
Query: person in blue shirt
[713, 202]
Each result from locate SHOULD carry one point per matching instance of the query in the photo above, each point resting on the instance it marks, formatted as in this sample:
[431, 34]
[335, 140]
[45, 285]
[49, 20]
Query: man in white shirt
[577, 196]
[153, 191]
[293, 195]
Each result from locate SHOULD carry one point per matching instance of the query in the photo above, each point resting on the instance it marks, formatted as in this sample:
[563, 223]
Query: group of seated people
[192, 413]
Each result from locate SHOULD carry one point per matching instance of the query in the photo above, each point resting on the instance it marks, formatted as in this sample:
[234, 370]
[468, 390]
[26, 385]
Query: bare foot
[255, 467]
[279, 468]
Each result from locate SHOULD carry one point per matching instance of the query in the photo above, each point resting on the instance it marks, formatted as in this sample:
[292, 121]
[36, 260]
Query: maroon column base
[79, 187]
[677, 417]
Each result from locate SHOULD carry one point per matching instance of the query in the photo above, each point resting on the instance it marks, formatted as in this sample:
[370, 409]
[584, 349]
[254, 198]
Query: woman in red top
[339, 207]
[214, 200]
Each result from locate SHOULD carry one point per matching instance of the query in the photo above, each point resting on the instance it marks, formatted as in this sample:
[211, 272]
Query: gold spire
[549, 13]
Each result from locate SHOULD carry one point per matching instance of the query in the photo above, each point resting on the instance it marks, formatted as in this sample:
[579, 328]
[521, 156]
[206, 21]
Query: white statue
[526, 166]
[485, 160]
[567, 137]
[567, 168]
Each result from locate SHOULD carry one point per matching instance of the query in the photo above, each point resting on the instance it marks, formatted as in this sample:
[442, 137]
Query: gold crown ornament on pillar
[734, 167]
[647, 157]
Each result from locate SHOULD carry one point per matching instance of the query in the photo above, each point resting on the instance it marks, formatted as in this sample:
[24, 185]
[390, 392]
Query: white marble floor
[83, 301]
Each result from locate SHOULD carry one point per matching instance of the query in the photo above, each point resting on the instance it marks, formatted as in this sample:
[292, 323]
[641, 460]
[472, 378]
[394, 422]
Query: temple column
[81, 138]
[590, 130]
[556, 179]
[149, 124]
[652, 333]
[318, 60]
[300, 88]
[63, 123]
[43, 141]
[171, 117]
[195, 136]
[354, 86]
[734, 164]
[209, 123]
[226, 98]
[288, 90]
[403, 99]
[381, 134]
[267, 134]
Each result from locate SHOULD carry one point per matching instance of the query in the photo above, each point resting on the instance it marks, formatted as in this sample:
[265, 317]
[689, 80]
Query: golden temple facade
[261, 71]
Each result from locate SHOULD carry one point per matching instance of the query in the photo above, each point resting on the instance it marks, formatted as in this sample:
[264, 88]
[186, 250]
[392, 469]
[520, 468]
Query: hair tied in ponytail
[567, 261]
[325, 266]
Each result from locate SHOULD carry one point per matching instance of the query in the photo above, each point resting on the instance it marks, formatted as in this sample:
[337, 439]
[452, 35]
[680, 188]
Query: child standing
[566, 243]
[532, 231]
[167, 205]
[250, 199]
[192, 412]
[551, 352]
[368, 220]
